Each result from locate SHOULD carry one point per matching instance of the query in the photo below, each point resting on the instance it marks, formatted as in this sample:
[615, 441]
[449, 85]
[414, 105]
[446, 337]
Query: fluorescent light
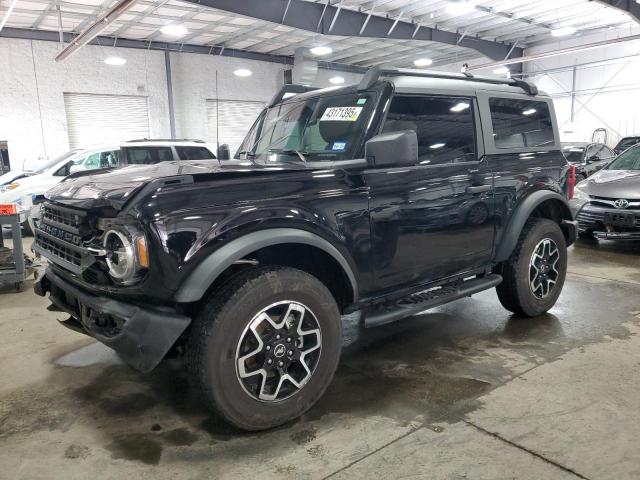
[116, 61]
[461, 7]
[531, 111]
[422, 62]
[8, 14]
[287, 95]
[174, 30]
[501, 70]
[336, 80]
[242, 72]
[459, 107]
[435, 146]
[323, 50]
[563, 32]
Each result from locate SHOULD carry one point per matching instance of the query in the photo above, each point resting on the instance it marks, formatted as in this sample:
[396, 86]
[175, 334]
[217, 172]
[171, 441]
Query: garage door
[236, 118]
[105, 119]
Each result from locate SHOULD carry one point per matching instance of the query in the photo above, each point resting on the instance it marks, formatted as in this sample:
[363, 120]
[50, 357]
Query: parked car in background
[625, 143]
[13, 175]
[607, 205]
[134, 152]
[587, 157]
[24, 189]
[148, 152]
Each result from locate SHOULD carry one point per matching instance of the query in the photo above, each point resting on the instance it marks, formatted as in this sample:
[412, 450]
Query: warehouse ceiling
[522, 23]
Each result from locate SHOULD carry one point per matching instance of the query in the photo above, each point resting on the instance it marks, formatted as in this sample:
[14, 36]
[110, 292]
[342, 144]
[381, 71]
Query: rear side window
[148, 155]
[628, 142]
[520, 123]
[194, 153]
[444, 126]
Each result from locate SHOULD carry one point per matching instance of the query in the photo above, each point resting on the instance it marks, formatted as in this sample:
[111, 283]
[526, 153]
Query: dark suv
[383, 199]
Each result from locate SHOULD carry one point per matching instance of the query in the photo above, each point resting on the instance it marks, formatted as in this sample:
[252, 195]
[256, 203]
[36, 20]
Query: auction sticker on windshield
[341, 114]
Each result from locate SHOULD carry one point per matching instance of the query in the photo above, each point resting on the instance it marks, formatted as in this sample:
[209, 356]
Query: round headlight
[121, 258]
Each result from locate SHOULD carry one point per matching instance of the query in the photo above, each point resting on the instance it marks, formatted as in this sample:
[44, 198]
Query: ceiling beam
[328, 19]
[629, 6]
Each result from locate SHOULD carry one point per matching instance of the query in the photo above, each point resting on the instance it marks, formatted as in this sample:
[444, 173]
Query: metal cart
[13, 273]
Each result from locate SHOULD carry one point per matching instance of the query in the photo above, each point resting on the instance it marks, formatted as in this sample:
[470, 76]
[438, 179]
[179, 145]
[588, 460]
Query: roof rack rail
[374, 74]
[165, 140]
[287, 91]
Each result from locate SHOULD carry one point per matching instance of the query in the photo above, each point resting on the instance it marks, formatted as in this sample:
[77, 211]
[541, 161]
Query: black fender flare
[509, 238]
[196, 284]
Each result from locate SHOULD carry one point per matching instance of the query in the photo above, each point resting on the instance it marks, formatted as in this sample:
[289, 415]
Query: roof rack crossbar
[137, 140]
[374, 74]
[288, 89]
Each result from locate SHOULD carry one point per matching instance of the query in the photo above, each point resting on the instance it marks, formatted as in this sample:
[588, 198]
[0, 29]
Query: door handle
[478, 188]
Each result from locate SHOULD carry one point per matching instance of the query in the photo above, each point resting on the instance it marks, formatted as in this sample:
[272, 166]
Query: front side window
[520, 123]
[627, 142]
[629, 160]
[328, 128]
[148, 155]
[194, 153]
[444, 126]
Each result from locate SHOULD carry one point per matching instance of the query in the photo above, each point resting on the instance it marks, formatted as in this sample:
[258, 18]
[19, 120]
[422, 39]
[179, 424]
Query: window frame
[485, 114]
[477, 130]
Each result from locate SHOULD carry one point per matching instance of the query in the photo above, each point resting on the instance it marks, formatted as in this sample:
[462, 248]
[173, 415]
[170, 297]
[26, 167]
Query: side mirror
[76, 169]
[592, 159]
[223, 152]
[393, 148]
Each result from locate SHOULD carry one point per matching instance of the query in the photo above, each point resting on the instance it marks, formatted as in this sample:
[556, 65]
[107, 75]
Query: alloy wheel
[278, 351]
[543, 268]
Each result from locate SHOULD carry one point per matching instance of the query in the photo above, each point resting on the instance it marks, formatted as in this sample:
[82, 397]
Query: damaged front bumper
[141, 335]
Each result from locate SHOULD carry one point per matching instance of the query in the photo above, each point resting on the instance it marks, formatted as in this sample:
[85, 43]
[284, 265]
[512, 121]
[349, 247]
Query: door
[105, 119]
[230, 120]
[433, 219]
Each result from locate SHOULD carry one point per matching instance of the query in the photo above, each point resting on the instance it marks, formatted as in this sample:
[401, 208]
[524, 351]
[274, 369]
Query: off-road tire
[215, 334]
[514, 292]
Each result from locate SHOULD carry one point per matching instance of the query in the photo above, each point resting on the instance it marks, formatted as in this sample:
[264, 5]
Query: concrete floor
[461, 392]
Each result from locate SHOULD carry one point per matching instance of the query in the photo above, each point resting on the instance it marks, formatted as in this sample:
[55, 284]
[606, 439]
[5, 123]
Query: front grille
[59, 237]
[58, 250]
[589, 218]
[609, 202]
[63, 217]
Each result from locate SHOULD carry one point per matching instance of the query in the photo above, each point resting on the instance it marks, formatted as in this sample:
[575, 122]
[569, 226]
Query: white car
[13, 175]
[23, 190]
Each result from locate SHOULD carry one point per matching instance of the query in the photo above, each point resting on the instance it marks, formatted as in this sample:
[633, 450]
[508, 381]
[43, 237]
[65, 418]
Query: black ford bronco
[404, 192]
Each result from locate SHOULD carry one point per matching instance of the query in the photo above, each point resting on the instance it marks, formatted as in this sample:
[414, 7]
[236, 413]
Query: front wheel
[265, 348]
[534, 274]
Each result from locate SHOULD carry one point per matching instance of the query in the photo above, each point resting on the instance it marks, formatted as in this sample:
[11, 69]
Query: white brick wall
[33, 120]
[27, 112]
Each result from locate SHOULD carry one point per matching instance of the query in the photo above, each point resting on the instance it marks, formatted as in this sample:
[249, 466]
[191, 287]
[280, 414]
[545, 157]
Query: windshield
[328, 128]
[573, 154]
[55, 161]
[628, 160]
[627, 142]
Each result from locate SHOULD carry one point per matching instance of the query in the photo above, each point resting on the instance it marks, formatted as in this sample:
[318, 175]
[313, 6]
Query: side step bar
[418, 302]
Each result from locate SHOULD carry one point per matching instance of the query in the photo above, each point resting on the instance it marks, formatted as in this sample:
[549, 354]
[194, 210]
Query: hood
[113, 188]
[12, 175]
[614, 184]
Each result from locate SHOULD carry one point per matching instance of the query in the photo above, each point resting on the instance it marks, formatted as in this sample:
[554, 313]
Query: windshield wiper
[290, 151]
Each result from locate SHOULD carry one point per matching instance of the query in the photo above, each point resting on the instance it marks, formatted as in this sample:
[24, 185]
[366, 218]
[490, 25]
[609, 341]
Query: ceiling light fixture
[461, 7]
[116, 61]
[336, 80]
[174, 30]
[435, 146]
[423, 62]
[319, 51]
[563, 32]
[242, 72]
[501, 70]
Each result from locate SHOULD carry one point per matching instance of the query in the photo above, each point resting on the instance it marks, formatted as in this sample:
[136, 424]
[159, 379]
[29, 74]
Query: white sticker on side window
[341, 114]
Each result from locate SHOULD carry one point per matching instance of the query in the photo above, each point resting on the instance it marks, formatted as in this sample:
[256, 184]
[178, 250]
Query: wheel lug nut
[281, 364]
[289, 339]
[269, 361]
[290, 352]
[268, 347]
[277, 337]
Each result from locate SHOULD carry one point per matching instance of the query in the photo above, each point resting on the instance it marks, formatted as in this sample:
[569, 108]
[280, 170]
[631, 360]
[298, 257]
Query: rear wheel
[265, 348]
[534, 274]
